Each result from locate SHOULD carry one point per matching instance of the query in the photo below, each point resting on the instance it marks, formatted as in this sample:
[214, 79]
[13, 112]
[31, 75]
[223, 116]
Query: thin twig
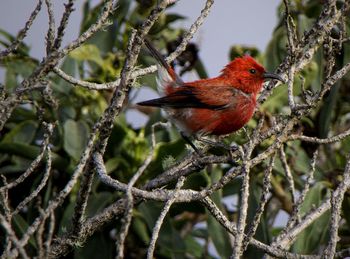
[5, 202]
[36, 161]
[263, 200]
[63, 24]
[231, 228]
[238, 246]
[336, 203]
[50, 37]
[130, 200]
[332, 80]
[292, 41]
[42, 184]
[321, 141]
[289, 175]
[12, 235]
[39, 238]
[50, 233]
[243, 212]
[295, 215]
[161, 217]
[314, 214]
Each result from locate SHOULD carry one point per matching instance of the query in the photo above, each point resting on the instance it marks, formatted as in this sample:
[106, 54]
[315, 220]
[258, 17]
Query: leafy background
[188, 231]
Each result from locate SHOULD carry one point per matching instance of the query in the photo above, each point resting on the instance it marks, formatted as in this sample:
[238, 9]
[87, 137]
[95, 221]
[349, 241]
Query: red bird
[213, 106]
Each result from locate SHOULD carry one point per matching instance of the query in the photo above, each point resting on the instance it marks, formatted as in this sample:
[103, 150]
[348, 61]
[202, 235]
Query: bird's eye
[252, 71]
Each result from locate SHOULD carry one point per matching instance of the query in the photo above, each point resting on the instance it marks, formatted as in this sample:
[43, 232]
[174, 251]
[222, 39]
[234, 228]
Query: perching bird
[213, 106]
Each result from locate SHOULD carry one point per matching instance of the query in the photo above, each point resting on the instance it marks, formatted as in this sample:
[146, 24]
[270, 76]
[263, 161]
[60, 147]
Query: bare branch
[130, 200]
[329, 140]
[332, 80]
[12, 235]
[50, 233]
[63, 24]
[39, 237]
[40, 186]
[91, 86]
[292, 40]
[231, 228]
[289, 175]
[263, 200]
[310, 217]
[161, 217]
[243, 211]
[50, 37]
[35, 163]
[295, 215]
[336, 203]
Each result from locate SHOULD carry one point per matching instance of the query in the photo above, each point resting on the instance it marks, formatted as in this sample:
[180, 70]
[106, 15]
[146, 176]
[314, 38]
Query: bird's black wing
[183, 98]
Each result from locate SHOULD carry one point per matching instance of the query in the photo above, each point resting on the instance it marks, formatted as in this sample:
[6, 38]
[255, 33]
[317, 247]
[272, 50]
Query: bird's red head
[245, 73]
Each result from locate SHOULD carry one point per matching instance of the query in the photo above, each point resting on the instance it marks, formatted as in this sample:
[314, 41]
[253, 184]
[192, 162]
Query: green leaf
[18, 66]
[23, 49]
[313, 236]
[97, 246]
[219, 236]
[327, 110]
[262, 233]
[97, 202]
[7, 36]
[169, 241]
[277, 100]
[66, 220]
[200, 69]
[172, 17]
[299, 159]
[75, 137]
[164, 150]
[107, 38]
[276, 49]
[112, 164]
[193, 247]
[87, 52]
[10, 78]
[21, 227]
[150, 212]
[23, 66]
[216, 232]
[22, 133]
[31, 152]
[140, 229]
[346, 207]
[18, 164]
[60, 85]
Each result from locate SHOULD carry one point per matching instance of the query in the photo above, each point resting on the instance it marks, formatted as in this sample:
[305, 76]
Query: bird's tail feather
[166, 70]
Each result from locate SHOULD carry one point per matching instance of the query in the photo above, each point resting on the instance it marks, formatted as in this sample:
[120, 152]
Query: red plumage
[216, 106]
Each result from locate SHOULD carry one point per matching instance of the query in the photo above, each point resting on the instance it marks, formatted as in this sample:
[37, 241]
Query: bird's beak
[268, 75]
